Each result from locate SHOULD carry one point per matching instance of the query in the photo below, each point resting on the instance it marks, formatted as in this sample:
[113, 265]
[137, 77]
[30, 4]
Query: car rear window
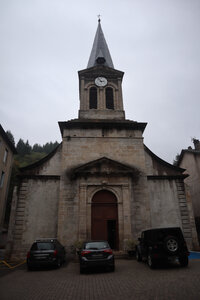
[159, 235]
[43, 246]
[96, 245]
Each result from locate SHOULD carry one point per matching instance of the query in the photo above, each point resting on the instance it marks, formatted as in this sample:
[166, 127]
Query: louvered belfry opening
[93, 98]
[109, 98]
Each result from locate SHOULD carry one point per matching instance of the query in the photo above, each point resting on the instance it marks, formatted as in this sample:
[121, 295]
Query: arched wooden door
[105, 218]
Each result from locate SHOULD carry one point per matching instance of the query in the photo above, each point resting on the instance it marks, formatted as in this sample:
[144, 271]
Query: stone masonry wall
[34, 215]
[81, 146]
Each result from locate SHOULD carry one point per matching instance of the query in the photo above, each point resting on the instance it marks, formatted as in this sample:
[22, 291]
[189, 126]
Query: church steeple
[100, 54]
[100, 85]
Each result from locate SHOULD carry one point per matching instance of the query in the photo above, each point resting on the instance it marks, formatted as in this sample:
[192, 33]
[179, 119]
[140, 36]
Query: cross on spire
[99, 18]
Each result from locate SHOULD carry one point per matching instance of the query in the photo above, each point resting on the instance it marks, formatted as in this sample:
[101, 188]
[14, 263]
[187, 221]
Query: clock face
[101, 81]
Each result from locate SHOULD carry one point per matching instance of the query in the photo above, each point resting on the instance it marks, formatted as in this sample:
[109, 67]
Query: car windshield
[43, 246]
[96, 245]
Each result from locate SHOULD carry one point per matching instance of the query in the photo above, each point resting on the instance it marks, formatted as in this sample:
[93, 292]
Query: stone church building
[101, 182]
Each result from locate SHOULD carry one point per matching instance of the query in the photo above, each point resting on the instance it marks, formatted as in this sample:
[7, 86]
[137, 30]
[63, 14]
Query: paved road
[131, 280]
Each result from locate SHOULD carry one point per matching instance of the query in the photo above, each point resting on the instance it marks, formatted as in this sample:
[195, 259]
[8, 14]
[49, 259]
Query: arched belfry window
[109, 98]
[93, 97]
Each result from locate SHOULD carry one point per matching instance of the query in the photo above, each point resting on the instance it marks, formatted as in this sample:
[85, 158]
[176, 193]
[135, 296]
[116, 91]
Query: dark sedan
[96, 254]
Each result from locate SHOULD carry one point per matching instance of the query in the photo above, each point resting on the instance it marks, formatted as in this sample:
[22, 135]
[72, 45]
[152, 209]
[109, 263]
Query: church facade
[101, 182]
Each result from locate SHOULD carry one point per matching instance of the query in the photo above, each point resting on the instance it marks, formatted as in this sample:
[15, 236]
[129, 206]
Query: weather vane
[99, 18]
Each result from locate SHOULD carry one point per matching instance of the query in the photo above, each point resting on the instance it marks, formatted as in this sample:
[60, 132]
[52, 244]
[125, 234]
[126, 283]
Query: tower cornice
[101, 70]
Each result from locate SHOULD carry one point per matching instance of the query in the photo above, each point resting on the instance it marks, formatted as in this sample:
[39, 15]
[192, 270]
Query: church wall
[42, 205]
[35, 214]
[79, 148]
[163, 203]
[169, 200]
[68, 212]
[157, 166]
[49, 167]
[170, 206]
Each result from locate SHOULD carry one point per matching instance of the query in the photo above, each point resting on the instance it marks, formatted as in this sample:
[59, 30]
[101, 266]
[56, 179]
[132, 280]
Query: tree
[37, 148]
[175, 162]
[11, 137]
[28, 148]
[23, 148]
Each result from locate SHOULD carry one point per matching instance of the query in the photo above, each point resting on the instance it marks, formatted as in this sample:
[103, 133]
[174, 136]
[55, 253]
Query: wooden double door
[105, 218]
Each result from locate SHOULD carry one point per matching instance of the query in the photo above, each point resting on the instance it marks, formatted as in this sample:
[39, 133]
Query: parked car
[162, 245]
[45, 252]
[96, 254]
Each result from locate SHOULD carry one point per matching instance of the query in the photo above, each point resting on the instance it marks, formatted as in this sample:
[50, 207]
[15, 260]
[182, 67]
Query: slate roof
[100, 50]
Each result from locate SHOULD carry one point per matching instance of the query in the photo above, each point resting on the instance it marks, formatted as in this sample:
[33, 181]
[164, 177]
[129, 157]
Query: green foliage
[29, 159]
[11, 137]
[28, 155]
[23, 148]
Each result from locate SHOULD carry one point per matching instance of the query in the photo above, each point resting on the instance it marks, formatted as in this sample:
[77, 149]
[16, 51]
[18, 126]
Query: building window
[5, 156]
[109, 98]
[2, 179]
[93, 98]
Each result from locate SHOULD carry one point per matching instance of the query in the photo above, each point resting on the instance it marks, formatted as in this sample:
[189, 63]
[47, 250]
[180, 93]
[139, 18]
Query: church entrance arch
[105, 218]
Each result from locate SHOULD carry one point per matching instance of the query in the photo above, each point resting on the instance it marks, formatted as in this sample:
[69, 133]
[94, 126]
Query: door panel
[105, 218]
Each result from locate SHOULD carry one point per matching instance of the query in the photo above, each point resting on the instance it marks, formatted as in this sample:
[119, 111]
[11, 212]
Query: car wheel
[82, 270]
[150, 262]
[112, 268]
[183, 260]
[171, 244]
[58, 265]
[29, 268]
[138, 256]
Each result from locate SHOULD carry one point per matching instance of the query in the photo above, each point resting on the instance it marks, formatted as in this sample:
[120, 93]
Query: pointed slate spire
[100, 54]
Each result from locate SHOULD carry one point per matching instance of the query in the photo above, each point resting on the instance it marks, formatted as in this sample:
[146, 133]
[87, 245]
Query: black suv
[45, 252]
[162, 245]
[96, 254]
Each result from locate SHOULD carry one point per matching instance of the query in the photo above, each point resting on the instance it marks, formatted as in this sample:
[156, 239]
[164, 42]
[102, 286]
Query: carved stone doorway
[105, 218]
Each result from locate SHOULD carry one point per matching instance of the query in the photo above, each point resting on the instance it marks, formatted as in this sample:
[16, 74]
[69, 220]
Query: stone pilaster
[187, 217]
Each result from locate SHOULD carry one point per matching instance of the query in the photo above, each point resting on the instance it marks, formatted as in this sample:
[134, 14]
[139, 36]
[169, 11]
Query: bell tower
[100, 85]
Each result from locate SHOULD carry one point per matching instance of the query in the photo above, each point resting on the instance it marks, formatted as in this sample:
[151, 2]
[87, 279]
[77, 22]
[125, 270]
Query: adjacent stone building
[7, 151]
[101, 182]
[190, 160]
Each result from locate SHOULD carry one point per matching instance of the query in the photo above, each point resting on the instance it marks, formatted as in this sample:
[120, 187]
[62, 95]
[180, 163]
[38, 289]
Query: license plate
[40, 257]
[97, 255]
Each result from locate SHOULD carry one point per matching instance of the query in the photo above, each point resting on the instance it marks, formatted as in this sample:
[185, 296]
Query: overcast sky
[43, 43]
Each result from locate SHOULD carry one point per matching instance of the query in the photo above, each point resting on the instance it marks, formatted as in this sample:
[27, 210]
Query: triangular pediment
[102, 167]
